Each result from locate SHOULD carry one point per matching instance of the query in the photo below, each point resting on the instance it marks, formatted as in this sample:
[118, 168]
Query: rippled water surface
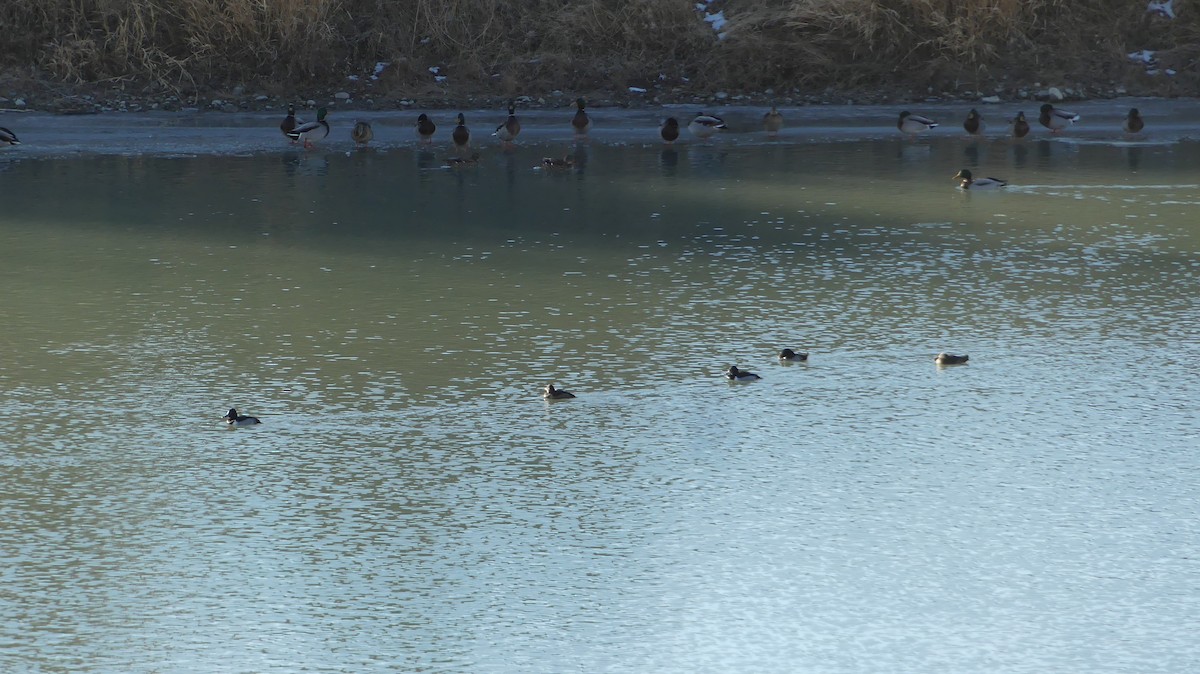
[411, 504]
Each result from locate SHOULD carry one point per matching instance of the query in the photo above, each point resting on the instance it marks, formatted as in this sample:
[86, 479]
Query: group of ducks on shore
[702, 126]
[734, 373]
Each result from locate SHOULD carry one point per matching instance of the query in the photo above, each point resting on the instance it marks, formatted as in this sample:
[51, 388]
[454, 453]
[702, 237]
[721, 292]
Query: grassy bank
[509, 47]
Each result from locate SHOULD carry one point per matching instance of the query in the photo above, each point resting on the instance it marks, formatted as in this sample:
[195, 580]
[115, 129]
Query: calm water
[411, 504]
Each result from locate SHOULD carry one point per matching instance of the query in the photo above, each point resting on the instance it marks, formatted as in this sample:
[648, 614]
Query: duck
[970, 183]
[234, 419]
[974, 123]
[1133, 122]
[508, 131]
[1056, 120]
[565, 162]
[581, 122]
[362, 133]
[552, 393]
[290, 122]
[669, 130]
[773, 122]
[463, 162]
[734, 374]
[789, 355]
[914, 124]
[1020, 127]
[308, 131]
[705, 125]
[425, 128]
[461, 134]
[9, 137]
[950, 359]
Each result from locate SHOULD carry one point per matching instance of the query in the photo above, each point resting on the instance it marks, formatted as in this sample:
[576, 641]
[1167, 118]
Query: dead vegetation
[505, 47]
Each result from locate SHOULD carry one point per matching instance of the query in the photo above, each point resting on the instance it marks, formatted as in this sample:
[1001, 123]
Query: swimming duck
[1020, 127]
[950, 359]
[362, 133]
[290, 122]
[1133, 123]
[9, 137]
[970, 183]
[461, 135]
[788, 354]
[974, 123]
[734, 374]
[670, 130]
[552, 393]
[581, 122]
[706, 126]
[308, 131]
[1056, 120]
[914, 124]
[773, 122]
[425, 128]
[234, 419]
[508, 131]
[463, 162]
[556, 163]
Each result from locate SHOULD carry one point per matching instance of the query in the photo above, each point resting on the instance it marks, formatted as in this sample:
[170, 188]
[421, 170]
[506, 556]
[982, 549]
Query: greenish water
[411, 504]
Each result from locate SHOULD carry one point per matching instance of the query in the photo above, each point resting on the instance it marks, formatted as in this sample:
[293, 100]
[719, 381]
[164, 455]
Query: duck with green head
[1056, 119]
[969, 182]
[309, 132]
[511, 128]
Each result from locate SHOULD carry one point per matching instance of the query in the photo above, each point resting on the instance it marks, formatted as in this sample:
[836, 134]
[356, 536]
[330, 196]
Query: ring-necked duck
[734, 374]
[950, 359]
[234, 419]
[788, 354]
[552, 393]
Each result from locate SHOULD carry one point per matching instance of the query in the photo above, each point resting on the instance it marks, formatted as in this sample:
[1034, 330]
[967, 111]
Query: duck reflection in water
[668, 159]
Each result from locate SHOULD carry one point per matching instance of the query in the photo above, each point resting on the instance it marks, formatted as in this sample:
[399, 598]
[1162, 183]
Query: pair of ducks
[705, 126]
[734, 373]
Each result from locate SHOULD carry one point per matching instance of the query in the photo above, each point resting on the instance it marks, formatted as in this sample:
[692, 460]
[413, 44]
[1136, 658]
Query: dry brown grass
[513, 46]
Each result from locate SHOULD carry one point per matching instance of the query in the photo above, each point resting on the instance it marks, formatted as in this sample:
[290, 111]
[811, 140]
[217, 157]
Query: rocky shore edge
[96, 99]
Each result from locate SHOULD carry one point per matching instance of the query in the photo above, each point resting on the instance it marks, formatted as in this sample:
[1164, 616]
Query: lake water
[410, 503]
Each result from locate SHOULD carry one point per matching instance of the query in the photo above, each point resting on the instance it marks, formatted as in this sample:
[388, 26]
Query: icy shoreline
[215, 133]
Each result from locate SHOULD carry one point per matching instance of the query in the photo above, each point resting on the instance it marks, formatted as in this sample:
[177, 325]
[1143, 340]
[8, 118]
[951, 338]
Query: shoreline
[206, 132]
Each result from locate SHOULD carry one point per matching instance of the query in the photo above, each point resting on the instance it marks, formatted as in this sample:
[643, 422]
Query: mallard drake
[1020, 127]
[788, 354]
[9, 137]
[581, 122]
[508, 131]
[461, 162]
[1056, 120]
[1133, 122]
[290, 122]
[425, 128]
[558, 163]
[706, 126]
[234, 419]
[734, 374]
[362, 133]
[669, 130]
[974, 123]
[970, 183]
[308, 131]
[773, 122]
[950, 359]
[461, 134]
[914, 124]
[552, 393]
